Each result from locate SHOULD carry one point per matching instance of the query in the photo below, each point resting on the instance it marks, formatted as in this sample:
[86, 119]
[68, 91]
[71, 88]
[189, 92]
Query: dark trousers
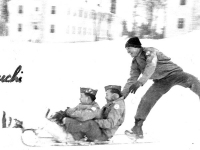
[80, 129]
[162, 86]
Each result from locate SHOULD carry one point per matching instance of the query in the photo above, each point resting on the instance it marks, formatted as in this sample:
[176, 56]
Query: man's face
[109, 95]
[85, 99]
[133, 51]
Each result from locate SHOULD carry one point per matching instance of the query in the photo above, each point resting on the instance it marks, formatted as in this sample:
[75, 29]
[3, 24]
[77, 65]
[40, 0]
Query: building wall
[196, 15]
[174, 12]
[66, 24]
[69, 25]
[27, 19]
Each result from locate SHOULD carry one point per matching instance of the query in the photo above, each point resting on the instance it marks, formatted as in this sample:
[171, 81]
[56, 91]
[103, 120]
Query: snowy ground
[53, 73]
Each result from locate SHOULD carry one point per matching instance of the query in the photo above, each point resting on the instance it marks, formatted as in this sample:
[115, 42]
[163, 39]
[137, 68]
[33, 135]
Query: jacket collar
[117, 100]
[92, 103]
[141, 54]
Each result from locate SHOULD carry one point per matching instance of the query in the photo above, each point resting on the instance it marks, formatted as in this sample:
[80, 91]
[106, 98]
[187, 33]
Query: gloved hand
[58, 116]
[133, 88]
[67, 111]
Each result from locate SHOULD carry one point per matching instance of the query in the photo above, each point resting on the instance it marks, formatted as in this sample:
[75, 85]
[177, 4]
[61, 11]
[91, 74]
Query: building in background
[61, 20]
[182, 16]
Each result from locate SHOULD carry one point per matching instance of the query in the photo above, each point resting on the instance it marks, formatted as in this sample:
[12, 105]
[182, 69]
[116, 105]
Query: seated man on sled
[64, 127]
[87, 109]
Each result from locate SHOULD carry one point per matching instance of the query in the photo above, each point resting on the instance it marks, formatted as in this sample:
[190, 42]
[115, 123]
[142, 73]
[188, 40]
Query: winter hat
[113, 87]
[116, 87]
[88, 90]
[133, 42]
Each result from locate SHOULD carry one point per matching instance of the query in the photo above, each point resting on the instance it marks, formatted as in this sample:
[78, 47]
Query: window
[53, 10]
[180, 23]
[20, 9]
[19, 27]
[36, 9]
[52, 30]
[79, 30]
[73, 30]
[36, 27]
[80, 13]
[85, 14]
[182, 2]
[95, 16]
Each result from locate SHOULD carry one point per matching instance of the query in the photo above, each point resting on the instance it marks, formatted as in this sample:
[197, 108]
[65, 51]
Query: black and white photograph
[99, 74]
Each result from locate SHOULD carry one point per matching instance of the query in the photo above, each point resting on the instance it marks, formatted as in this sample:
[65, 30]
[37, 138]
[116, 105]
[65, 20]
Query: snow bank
[54, 72]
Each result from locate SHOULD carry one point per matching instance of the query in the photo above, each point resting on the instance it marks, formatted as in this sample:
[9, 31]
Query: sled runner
[30, 138]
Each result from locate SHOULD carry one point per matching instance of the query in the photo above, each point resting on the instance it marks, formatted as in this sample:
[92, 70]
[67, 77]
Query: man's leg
[95, 133]
[153, 94]
[189, 81]
[159, 88]
[79, 129]
[57, 131]
[74, 127]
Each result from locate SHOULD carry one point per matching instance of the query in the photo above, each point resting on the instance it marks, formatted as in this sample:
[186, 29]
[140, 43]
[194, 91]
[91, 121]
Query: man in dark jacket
[153, 64]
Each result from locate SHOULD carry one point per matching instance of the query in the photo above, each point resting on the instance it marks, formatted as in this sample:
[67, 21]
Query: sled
[31, 139]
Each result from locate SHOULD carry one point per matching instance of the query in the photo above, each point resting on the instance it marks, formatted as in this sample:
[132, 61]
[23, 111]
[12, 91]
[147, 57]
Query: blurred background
[94, 20]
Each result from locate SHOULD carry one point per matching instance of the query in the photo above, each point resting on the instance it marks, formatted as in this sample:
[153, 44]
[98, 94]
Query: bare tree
[4, 17]
[135, 15]
[124, 26]
[151, 6]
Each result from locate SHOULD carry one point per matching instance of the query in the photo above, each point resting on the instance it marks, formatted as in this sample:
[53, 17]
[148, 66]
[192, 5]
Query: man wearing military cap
[71, 120]
[87, 109]
[112, 114]
[153, 64]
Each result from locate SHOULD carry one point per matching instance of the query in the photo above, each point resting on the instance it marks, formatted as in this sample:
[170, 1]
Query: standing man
[153, 64]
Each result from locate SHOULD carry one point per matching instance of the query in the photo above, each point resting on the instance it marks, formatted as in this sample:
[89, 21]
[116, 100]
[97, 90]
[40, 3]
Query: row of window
[84, 30]
[74, 30]
[80, 13]
[70, 30]
[20, 10]
[20, 27]
[53, 9]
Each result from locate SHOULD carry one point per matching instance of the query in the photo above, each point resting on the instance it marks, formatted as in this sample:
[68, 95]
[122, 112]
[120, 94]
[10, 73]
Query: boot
[136, 132]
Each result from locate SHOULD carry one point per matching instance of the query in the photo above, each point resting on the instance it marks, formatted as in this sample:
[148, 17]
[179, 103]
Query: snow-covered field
[54, 72]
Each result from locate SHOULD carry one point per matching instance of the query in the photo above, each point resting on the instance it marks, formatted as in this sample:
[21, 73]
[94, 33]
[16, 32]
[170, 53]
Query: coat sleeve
[151, 63]
[85, 114]
[113, 117]
[71, 110]
[134, 74]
